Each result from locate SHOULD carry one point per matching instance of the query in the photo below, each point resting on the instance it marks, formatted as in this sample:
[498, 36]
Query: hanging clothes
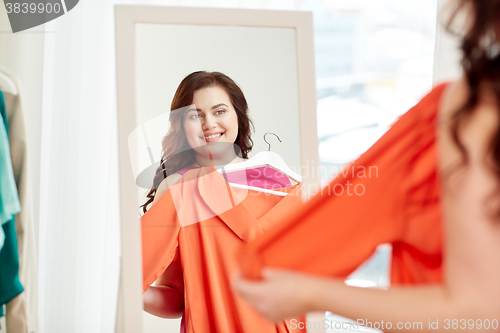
[394, 198]
[9, 204]
[203, 222]
[22, 311]
[10, 286]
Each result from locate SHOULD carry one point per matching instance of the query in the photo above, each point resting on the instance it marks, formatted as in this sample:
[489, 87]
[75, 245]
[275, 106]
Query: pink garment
[186, 169]
[263, 177]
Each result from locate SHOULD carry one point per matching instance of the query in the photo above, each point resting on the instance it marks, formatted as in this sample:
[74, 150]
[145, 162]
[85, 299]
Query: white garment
[22, 311]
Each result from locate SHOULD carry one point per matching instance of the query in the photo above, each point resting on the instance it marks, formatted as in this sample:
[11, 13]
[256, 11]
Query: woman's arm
[284, 294]
[166, 298]
[165, 185]
[471, 286]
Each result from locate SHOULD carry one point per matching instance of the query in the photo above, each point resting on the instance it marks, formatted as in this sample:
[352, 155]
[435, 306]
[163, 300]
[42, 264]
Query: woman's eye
[220, 111]
[195, 116]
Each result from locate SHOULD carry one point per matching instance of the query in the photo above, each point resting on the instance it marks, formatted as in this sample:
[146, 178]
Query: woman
[182, 141]
[469, 162]
[190, 234]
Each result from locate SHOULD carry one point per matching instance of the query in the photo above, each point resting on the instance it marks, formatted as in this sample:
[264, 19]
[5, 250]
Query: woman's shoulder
[165, 185]
[477, 129]
[454, 96]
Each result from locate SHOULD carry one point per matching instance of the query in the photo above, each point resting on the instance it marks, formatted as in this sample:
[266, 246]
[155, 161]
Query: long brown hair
[175, 142]
[481, 64]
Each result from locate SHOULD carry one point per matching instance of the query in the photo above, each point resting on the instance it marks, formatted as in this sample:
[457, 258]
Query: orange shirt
[394, 198]
[206, 222]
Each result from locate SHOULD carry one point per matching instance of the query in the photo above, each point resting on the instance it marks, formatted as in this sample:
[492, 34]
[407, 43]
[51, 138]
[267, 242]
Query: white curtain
[79, 221]
[79, 214]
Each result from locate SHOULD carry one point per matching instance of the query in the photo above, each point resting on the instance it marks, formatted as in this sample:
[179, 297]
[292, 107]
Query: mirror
[269, 54]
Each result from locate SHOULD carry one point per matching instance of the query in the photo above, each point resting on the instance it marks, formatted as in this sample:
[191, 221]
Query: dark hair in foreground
[175, 142]
[481, 65]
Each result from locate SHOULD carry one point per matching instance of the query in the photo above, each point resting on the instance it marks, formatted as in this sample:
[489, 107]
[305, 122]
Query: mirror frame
[129, 310]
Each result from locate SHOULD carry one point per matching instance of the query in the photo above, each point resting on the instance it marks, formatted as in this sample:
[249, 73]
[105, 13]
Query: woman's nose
[208, 123]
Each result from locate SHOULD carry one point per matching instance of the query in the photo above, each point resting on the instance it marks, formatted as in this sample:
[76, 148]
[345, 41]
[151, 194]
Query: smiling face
[211, 119]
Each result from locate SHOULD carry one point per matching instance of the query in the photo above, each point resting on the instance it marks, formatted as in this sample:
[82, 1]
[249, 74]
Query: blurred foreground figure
[438, 169]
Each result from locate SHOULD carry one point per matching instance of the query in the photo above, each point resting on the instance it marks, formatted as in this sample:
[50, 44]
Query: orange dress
[203, 222]
[391, 194]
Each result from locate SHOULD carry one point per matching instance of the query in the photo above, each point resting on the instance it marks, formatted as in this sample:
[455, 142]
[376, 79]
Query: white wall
[261, 60]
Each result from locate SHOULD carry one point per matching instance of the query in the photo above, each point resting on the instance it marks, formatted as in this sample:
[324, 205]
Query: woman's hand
[281, 294]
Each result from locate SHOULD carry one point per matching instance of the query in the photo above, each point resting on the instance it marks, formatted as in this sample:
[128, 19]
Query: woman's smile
[210, 137]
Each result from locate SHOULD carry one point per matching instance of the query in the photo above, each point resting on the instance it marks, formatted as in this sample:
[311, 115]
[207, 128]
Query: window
[374, 61]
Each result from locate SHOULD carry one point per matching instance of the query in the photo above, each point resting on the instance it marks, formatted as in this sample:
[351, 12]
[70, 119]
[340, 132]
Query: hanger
[264, 158]
[259, 189]
[7, 85]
